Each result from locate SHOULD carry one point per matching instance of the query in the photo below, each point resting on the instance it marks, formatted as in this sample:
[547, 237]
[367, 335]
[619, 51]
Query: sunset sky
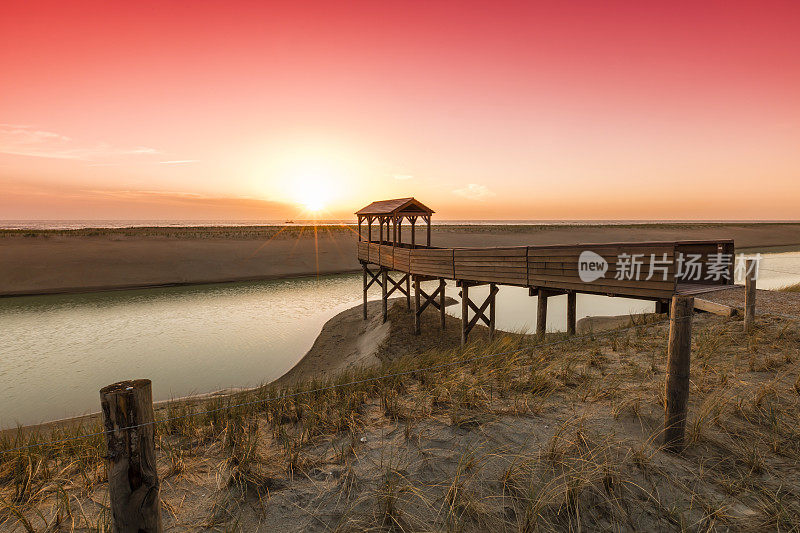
[482, 110]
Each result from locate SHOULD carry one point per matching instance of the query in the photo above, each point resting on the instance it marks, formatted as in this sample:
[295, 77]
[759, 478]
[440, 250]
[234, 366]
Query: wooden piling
[364, 265]
[417, 327]
[492, 292]
[750, 296]
[541, 313]
[408, 291]
[442, 286]
[133, 484]
[572, 312]
[678, 362]
[464, 312]
[384, 296]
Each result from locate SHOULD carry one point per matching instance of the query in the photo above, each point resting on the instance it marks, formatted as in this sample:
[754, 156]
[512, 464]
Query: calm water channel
[56, 352]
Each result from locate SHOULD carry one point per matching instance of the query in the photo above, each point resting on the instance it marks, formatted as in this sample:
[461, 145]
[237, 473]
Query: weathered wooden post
[572, 311]
[678, 359]
[442, 286]
[750, 296]
[464, 312]
[417, 328]
[384, 296]
[132, 475]
[541, 313]
[408, 291]
[364, 266]
[492, 291]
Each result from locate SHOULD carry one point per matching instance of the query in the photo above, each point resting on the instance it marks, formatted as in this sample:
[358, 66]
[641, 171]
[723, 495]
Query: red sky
[551, 110]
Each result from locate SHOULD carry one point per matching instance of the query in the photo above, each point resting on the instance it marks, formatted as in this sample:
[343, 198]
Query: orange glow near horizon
[509, 110]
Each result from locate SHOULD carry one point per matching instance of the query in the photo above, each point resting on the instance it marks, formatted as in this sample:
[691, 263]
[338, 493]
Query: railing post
[750, 296]
[132, 474]
[678, 360]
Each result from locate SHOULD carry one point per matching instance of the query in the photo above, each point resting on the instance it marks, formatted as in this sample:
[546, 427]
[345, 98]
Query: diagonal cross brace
[479, 311]
[429, 299]
[396, 285]
[375, 277]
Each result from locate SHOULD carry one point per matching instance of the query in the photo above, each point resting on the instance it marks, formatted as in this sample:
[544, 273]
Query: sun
[313, 202]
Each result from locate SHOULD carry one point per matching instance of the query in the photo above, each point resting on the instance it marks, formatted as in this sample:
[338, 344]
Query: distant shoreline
[37, 262]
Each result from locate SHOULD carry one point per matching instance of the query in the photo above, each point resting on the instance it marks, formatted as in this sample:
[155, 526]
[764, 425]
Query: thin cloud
[403, 176]
[16, 139]
[179, 162]
[474, 191]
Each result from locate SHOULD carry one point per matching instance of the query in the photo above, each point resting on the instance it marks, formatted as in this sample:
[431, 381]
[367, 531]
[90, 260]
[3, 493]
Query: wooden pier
[546, 271]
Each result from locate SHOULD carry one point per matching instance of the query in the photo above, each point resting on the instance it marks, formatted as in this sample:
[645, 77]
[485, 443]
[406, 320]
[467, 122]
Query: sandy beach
[40, 262]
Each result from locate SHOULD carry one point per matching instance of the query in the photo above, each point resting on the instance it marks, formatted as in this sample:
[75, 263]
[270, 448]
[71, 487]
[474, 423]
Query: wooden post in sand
[572, 312]
[678, 358]
[384, 295]
[416, 306]
[132, 475]
[364, 267]
[750, 296]
[541, 313]
[464, 312]
[442, 285]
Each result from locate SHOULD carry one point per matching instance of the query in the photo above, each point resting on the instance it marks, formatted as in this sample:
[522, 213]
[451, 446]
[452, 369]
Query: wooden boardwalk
[546, 270]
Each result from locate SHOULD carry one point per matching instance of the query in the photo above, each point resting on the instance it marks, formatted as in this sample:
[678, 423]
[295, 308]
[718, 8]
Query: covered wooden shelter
[391, 213]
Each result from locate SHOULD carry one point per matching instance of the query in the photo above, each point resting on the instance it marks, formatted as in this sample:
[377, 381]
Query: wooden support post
[359, 228]
[541, 314]
[417, 328]
[408, 291]
[750, 296]
[572, 312]
[413, 232]
[133, 483]
[364, 272]
[442, 285]
[464, 312]
[399, 230]
[369, 229]
[678, 359]
[492, 291]
[384, 296]
[380, 231]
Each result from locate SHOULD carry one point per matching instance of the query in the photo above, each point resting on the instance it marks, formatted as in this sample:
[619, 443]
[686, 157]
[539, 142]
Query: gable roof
[396, 206]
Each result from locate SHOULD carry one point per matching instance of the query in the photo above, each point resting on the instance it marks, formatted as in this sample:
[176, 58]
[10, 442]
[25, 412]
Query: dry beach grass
[543, 437]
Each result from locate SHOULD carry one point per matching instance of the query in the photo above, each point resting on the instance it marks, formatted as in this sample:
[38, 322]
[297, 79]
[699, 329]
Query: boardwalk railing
[555, 267]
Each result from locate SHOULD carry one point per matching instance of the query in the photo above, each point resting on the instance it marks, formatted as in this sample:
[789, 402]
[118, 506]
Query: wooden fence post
[132, 475]
[750, 296]
[678, 359]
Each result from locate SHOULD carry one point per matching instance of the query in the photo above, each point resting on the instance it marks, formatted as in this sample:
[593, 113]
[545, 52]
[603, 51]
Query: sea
[120, 224]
